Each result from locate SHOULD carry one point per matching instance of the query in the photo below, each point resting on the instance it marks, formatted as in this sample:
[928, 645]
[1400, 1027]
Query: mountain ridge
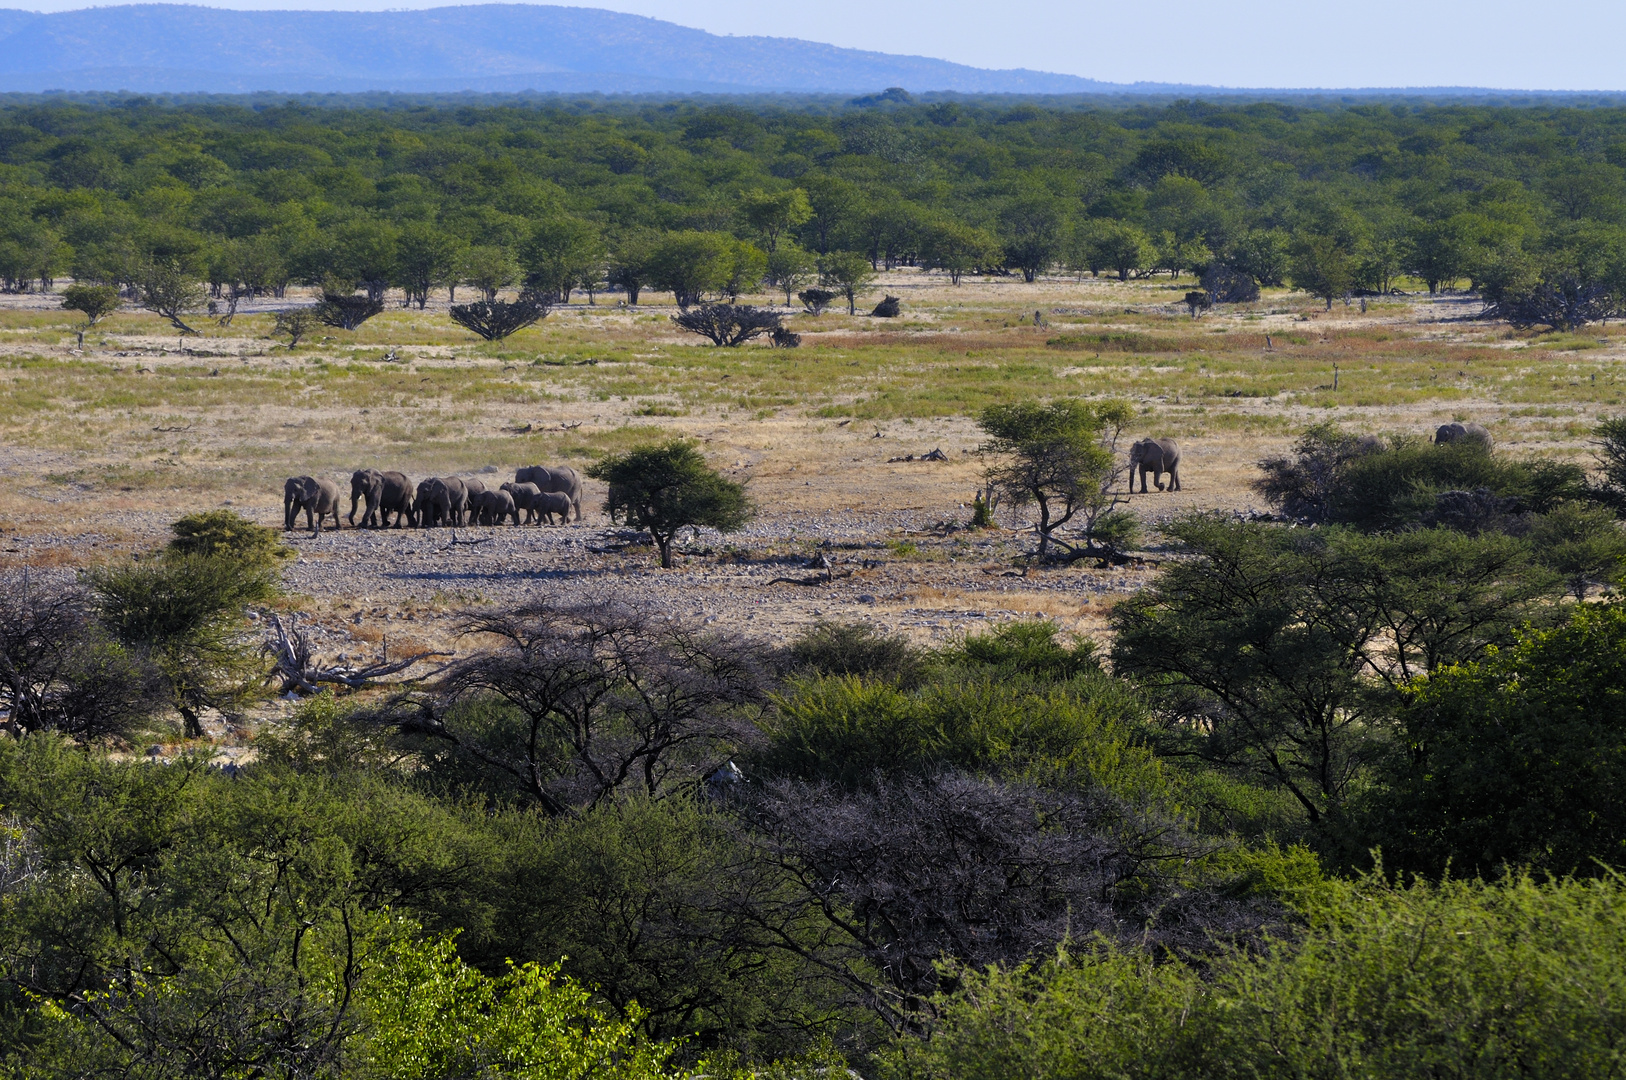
[173, 47]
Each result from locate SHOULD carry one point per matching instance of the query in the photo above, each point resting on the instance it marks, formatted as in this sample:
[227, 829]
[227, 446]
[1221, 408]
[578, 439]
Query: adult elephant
[1155, 456]
[434, 503]
[317, 498]
[560, 478]
[1450, 433]
[383, 492]
[457, 498]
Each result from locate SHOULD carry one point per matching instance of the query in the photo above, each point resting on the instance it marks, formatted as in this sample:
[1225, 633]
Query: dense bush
[1462, 980]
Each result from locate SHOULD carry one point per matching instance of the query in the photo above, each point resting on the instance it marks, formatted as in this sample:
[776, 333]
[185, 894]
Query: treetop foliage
[1528, 205]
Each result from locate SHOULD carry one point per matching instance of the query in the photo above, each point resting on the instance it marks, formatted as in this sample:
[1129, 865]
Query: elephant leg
[1157, 478]
[1174, 478]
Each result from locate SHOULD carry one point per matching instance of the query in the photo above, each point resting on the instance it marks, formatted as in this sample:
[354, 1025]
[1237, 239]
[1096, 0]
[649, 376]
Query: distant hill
[489, 47]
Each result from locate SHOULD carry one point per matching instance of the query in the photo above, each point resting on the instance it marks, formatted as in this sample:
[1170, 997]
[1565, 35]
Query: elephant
[434, 503]
[523, 494]
[383, 492]
[457, 497]
[492, 506]
[473, 486]
[318, 498]
[562, 479]
[1155, 456]
[551, 504]
[1450, 433]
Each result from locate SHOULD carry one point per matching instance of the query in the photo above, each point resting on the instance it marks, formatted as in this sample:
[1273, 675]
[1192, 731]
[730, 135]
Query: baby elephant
[1155, 456]
[490, 507]
[552, 504]
[318, 498]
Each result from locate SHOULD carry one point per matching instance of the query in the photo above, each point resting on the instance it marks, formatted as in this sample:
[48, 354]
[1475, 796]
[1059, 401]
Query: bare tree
[907, 872]
[594, 698]
[60, 671]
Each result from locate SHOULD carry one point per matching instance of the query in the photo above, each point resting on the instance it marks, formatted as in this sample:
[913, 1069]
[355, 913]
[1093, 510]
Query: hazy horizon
[1269, 44]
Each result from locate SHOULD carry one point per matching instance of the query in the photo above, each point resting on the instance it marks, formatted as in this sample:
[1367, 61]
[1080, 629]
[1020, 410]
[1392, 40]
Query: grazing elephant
[434, 503]
[563, 479]
[318, 498]
[383, 492]
[492, 506]
[1450, 433]
[1155, 456]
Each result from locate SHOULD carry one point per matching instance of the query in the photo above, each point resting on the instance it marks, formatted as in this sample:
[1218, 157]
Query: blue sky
[1557, 45]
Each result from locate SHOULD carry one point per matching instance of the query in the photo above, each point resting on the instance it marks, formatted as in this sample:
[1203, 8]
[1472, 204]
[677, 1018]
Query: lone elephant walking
[1155, 456]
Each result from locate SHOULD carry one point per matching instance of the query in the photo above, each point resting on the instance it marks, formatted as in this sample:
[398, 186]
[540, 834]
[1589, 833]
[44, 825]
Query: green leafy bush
[225, 534]
[1027, 648]
[832, 648]
[1519, 759]
[1464, 980]
[847, 730]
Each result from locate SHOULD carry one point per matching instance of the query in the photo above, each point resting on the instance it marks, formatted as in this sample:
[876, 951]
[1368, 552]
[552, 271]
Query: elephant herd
[543, 493]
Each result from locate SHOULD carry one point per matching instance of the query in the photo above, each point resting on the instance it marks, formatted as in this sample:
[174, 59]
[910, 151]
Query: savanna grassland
[1314, 767]
[111, 442]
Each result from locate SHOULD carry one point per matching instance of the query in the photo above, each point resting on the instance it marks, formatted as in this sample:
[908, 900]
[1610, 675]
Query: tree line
[1526, 206]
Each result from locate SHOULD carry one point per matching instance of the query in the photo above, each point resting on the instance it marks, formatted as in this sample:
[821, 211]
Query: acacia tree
[1323, 268]
[957, 248]
[562, 254]
[603, 699]
[791, 269]
[494, 320]
[668, 488]
[729, 325]
[1061, 457]
[170, 291]
[95, 302]
[848, 273]
[424, 258]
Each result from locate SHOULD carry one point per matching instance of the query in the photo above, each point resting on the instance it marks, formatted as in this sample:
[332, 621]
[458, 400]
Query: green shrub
[186, 612]
[832, 648]
[1518, 759]
[847, 730]
[1033, 649]
[1461, 981]
[229, 535]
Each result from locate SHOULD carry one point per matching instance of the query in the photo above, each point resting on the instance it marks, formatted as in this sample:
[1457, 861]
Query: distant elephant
[523, 495]
[457, 495]
[383, 492]
[434, 503]
[561, 478]
[492, 506]
[318, 498]
[551, 504]
[1155, 456]
[1450, 433]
